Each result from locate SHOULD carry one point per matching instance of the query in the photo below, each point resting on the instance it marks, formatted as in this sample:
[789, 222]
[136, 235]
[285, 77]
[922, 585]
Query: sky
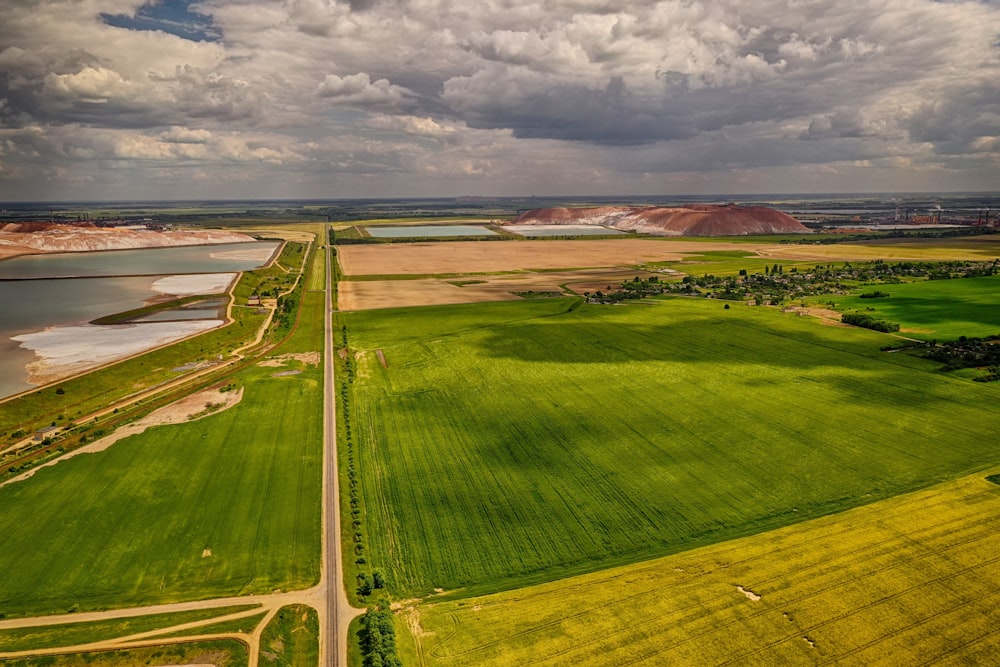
[270, 99]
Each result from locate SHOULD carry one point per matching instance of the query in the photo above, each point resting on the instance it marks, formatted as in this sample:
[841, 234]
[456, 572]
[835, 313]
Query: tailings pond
[39, 292]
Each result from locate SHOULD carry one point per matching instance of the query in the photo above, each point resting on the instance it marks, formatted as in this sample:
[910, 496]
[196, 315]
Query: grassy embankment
[912, 580]
[505, 444]
[220, 653]
[228, 504]
[291, 639]
[243, 625]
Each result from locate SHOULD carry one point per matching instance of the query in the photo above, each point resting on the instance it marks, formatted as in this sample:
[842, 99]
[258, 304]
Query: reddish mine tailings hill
[694, 220]
[31, 238]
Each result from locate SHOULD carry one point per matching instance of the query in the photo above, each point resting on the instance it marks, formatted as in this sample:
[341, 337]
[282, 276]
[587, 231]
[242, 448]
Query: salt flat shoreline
[68, 350]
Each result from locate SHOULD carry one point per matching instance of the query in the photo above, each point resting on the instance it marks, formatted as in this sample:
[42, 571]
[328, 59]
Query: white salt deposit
[196, 283]
[257, 254]
[64, 351]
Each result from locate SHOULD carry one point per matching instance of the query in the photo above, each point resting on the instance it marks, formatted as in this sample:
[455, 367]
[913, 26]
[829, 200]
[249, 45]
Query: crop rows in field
[224, 505]
[910, 580]
[506, 442]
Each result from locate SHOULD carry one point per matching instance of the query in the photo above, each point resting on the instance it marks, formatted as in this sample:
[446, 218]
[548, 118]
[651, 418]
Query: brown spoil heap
[32, 227]
[694, 220]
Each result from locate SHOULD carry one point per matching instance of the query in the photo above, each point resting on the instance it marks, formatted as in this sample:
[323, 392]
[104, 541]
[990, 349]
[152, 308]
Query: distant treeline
[895, 234]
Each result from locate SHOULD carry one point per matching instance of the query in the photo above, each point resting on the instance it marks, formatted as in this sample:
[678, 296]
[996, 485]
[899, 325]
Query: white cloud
[93, 85]
[358, 90]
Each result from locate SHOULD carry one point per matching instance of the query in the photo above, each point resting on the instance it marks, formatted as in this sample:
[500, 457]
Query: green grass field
[131, 525]
[526, 441]
[72, 634]
[936, 309]
[908, 581]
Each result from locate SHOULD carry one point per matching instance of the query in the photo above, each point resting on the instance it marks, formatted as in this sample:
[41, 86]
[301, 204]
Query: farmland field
[225, 505]
[910, 580]
[937, 309]
[412, 231]
[372, 294]
[477, 256]
[514, 442]
[929, 249]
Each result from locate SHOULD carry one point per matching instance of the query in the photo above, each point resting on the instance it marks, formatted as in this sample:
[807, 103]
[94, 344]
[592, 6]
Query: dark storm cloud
[509, 92]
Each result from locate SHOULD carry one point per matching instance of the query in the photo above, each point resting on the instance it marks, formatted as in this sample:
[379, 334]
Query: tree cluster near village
[776, 284]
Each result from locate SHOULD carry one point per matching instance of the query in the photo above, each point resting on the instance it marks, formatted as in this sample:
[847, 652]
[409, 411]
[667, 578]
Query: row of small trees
[869, 322]
[354, 496]
[377, 635]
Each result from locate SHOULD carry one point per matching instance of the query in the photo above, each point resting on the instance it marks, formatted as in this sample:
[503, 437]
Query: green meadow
[291, 638]
[509, 443]
[935, 309]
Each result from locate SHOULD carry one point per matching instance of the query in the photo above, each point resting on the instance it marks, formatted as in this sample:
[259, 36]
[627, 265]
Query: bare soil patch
[311, 358]
[831, 317]
[372, 294]
[369, 295]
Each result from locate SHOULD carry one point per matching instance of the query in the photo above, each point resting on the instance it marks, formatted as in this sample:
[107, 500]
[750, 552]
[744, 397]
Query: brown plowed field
[495, 256]
[374, 294]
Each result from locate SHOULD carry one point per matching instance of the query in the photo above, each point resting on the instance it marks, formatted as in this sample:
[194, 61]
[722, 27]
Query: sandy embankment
[45, 238]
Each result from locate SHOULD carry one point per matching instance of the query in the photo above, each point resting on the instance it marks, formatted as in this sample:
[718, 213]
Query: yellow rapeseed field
[912, 580]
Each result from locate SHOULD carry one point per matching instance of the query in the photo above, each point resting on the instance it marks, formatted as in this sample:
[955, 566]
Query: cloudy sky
[120, 99]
